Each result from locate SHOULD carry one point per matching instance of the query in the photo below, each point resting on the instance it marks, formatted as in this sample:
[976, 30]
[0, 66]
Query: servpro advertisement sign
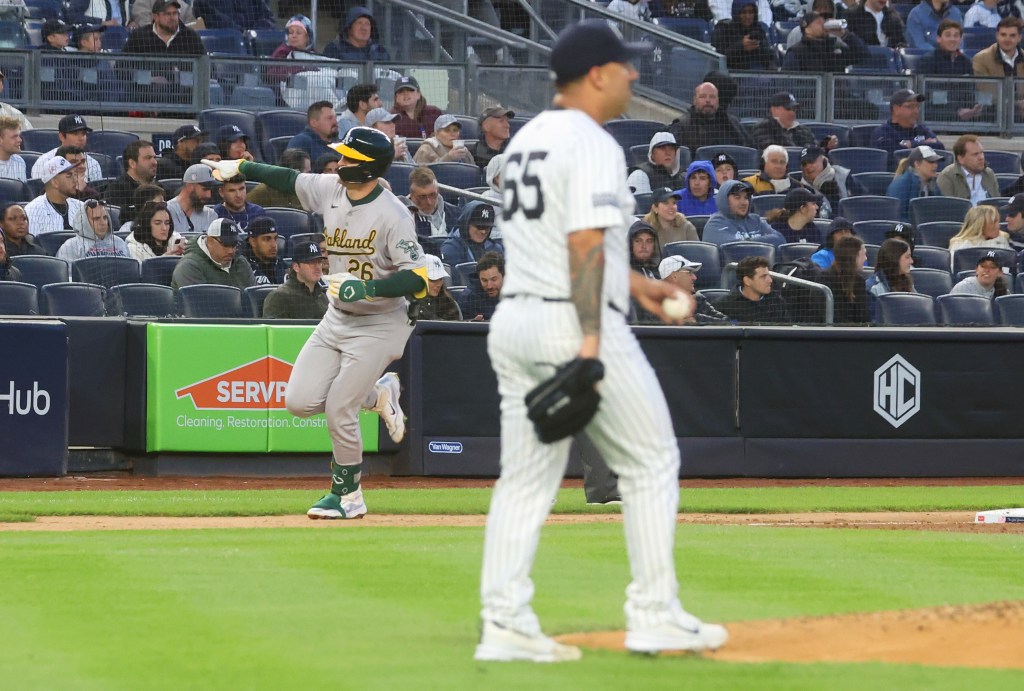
[221, 389]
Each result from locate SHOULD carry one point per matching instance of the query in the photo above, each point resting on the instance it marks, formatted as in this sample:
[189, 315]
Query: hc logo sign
[897, 391]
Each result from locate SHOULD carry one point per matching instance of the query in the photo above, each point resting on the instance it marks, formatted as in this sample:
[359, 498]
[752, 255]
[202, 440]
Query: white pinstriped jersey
[563, 173]
[43, 217]
[372, 238]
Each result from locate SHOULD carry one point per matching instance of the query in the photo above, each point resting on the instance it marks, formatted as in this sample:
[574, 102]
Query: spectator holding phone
[742, 40]
[151, 234]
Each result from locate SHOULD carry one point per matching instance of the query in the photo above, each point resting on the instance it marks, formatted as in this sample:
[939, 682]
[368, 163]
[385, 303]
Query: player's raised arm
[586, 278]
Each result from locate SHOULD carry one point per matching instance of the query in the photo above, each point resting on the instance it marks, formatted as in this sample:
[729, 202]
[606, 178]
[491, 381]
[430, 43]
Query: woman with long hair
[892, 272]
[151, 234]
[849, 293]
[980, 229]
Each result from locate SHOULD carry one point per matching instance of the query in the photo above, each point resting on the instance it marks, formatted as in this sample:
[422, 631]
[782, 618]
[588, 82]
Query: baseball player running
[375, 262]
[566, 294]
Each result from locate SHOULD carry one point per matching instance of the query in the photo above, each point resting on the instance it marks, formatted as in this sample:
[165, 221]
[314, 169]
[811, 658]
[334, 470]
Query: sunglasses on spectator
[93, 203]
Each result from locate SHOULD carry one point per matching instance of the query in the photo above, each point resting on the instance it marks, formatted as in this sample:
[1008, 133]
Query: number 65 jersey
[371, 238]
[563, 172]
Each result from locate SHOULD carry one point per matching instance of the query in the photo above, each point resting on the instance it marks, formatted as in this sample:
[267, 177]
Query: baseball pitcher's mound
[987, 635]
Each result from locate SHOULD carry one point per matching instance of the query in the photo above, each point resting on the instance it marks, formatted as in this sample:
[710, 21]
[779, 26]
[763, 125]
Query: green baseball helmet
[371, 149]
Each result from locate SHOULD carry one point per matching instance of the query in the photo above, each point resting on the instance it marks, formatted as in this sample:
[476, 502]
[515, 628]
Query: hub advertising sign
[33, 398]
[221, 389]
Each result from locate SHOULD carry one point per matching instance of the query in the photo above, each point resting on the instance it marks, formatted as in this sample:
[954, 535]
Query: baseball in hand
[679, 306]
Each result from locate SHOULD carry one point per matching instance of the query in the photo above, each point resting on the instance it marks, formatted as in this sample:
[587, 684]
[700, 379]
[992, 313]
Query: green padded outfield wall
[217, 388]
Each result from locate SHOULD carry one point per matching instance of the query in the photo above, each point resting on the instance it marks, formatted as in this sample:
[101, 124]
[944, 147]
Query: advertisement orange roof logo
[257, 385]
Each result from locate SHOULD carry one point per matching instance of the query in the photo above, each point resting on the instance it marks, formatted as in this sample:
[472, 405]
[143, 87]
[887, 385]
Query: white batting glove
[223, 170]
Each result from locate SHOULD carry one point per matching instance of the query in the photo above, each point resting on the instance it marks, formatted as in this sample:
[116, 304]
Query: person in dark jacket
[849, 294]
[832, 182]
[645, 252]
[321, 129]
[173, 162]
[752, 300]
[241, 15]
[680, 271]
[824, 51]
[439, 304]
[167, 35]
[355, 39]
[139, 158]
[481, 299]
[781, 126]
[902, 130]
[14, 224]
[266, 266]
[742, 39]
[947, 60]
[7, 272]
[303, 295]
[473, 238]
[862, 21]
[706, 124]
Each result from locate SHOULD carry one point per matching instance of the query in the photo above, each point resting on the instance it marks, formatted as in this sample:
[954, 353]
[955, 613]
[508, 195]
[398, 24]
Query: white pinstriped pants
[632, 430]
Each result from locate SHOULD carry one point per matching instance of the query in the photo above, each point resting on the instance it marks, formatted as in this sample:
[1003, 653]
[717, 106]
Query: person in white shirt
[189, 210]
[12, 165]
[56, 208]
[72, 130]
[982, 13]
[988, 280]
[631, 9]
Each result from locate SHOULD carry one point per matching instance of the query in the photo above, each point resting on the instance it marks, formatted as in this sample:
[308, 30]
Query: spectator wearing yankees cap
[915, 177]
[72, 130]
[831, 181]
[1013, 212]
[782, 128]
[795, 220]
[233, 143]
[439, 303]
[472, 240]
[303, 295]
[664, 217]
[173, 162]
[681, 272]
[415, 117]
[725, 168]
[988, 280]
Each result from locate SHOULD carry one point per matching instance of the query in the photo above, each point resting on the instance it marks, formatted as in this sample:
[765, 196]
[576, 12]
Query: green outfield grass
[396, 608]
[16, 506]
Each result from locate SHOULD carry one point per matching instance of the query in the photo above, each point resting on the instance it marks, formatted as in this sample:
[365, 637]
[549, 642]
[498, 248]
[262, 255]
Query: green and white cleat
[333, 507]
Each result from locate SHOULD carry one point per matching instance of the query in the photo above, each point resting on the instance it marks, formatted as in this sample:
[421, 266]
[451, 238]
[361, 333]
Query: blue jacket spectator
[923, 22]
[917, 179]
[480, 300]
[240, 15]
[473, 238]
[733, 220]
[839, 229]
[355, 39]
[311, 142]
[903, 131]
[321, 129]
[691, 204]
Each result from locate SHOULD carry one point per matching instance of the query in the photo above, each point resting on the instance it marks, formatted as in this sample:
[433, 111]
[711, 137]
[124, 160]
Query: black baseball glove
[565, 403]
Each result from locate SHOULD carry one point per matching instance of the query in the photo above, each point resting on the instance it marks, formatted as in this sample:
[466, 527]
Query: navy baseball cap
[226, 231]
[187, 132]
[591, 43]
[482, 216]
[261, 226]
[231, 133]
[665, 193]
[990, 257]
[73, 123]
[305, 252]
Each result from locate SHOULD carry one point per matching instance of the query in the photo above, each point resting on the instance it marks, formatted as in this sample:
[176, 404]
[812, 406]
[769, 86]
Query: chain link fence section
[857, 99]
[755, 88]
[962, 104]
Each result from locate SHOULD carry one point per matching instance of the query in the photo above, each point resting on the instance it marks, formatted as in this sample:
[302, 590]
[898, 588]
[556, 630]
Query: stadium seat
[114, 38]
[277, 146]
[699, 221]
[1004, 179]
[965, 310]
[937, 233]
[872, 251]
[761, 204]
[1011, 309]
[828, 129]
[860, 159]
[728, 280]
[14, 191]
[516, 124]
[45, 9]
[18, 299]
[734, 251]
[694, 28]
[881, 59]
[930, 209]
[470, 126]
[932, 282]
[277, 123]
[13, 36]
[223, 41]
[910, 58]
[745, 157]
[869, 208]
[791, 251]
[927, 257]
[874, 182]
[464, 274]
[212, 119]
[171, 186]
[290, 221]
[860, 136]
[629, 133]
[432, 245]
[255, 296]
[40, 271]
[159, 270]
[873, 232]
[642, 203]
[263, 42]
[108, 164]
[40, 140]
[398, 177]
[705, 253]
[1003, 162]
[713, 295]
[977, 38]
[110, 142]
[143, 300]
[105, 271]
[906, 309]
[73, 300]
[460, 175]
[207, 301]
[995, 201]
[966, 259]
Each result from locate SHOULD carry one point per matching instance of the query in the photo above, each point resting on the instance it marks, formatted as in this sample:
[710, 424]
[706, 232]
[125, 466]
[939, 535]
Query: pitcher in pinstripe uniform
[567, 288]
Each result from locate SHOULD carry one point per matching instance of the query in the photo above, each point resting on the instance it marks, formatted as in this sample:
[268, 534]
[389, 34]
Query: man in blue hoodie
[473, 238]
[733, 220]
[355, 39]
[697, 198]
